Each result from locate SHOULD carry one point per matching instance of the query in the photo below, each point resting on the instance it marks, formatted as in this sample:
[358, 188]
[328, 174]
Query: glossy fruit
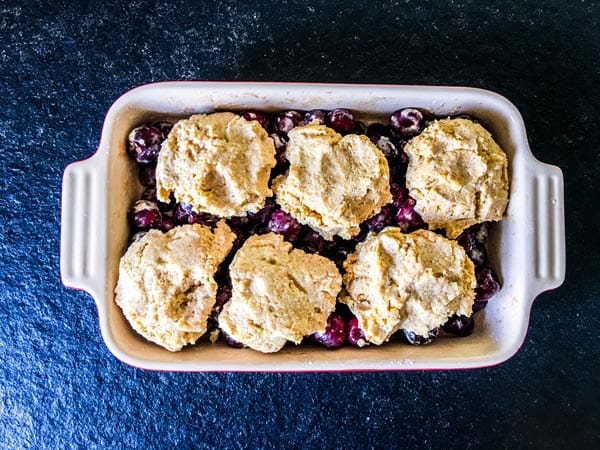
[355, 335]
[147, 174]
[315, 114]
[406, 122]
[164, 126]
[384, 218]
[280, 140]
[145, 214]
[312, 242]
[459, 325]
[206, 219]
[166, 222]
[334, 335]
[284, 224]
[286, 121]
[144, 143]
[341, 120]
[259, 116]
[487, 283]
[416, 339]
[407, 219]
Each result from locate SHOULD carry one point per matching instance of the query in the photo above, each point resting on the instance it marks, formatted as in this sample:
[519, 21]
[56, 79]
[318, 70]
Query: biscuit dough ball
[410, 281]
[218, 163]
[457, 174]
[166, 287]
[334, 183]
[279, 294]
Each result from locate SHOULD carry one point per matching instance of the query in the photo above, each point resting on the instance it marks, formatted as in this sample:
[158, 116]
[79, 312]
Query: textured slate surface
[62, 65]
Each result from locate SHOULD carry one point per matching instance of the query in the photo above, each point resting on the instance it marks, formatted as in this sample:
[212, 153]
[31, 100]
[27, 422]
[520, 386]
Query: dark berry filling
[341, 120]
[259, 116]
[459, 325]
[144, 143]
[406, 122]
[417, 339]
[284, 224]
[356, 336]
[334, 335]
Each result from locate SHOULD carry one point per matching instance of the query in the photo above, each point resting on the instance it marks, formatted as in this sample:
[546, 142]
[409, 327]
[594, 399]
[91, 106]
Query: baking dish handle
[548, 238]
[83, 213]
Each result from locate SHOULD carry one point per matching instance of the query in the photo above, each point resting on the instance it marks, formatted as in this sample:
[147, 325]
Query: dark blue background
[61, 67]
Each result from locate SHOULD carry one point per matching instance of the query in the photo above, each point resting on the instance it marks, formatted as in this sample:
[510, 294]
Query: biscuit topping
[166, 287]
[411, 281]
[457, 174]
[218, 163]
[334, 183]
[279, 294]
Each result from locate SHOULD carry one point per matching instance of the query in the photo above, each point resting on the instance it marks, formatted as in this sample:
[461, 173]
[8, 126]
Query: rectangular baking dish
[527, 247]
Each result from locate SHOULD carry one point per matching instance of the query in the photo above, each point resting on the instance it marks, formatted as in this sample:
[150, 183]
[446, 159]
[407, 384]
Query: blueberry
[387, 147]
[240, 222]
[206, 219]
[360, 128]
[147, 174]
[150, 194]
[334, 335]
[379, 221]
[341, 120]
[356, 336]
[181, 212]
[284, 224]
[377, 130]
[286, 121]
[487, 283]
[478, 254]
[459, 325]
[466, 240]
[478, 305]
[144, 143]
[315, 114]
[145, 214]
[416, 339]
[280, 140]
[473, 247]
[184, 214]
[399, 195]
[312, 242]
[406, 122]
[260, 117]
[164, 127]
[481, 232]
[258, 221]
[167, 221]
[407, 219]
[231, 342]
[223, 296]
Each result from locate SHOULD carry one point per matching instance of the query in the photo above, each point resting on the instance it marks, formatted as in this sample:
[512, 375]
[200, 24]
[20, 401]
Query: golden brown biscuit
[218, 163]
[457, 174]
[166, 287]
[334, 183]
[279, 294]
[410, 281]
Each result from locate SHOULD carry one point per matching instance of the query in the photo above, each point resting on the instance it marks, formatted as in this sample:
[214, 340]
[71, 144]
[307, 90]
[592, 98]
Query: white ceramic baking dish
[527, 247]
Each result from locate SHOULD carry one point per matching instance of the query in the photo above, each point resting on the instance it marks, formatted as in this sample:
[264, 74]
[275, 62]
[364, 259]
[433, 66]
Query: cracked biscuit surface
[334, 182]
[218, 163]
[410, 281]
[457, 174]
[166, 287]
[279, 294]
